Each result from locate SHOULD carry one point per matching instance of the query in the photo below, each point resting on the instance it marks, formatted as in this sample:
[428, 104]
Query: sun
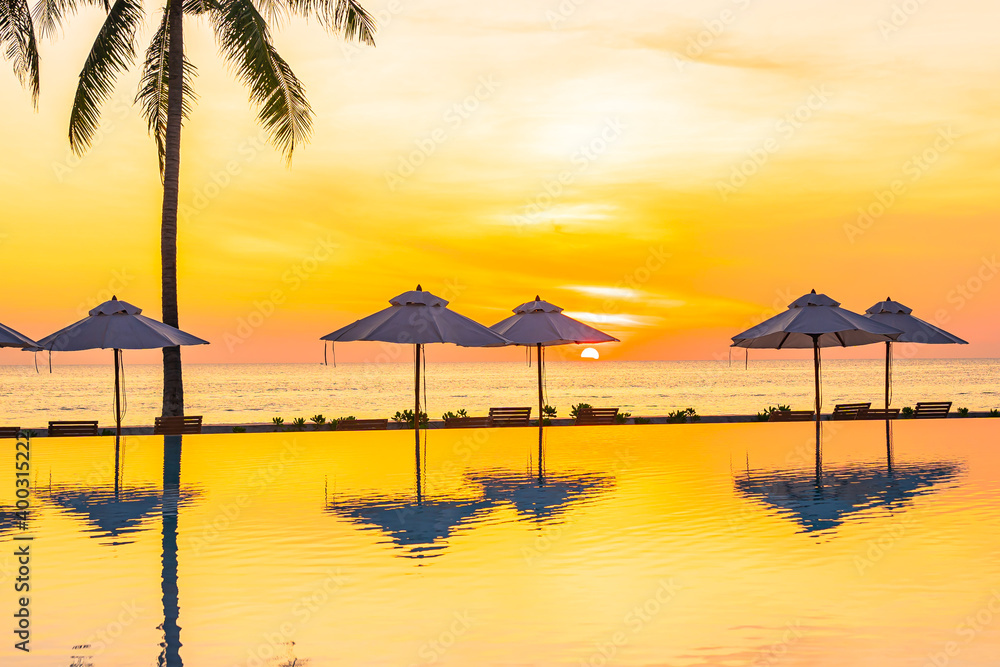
[590, 353]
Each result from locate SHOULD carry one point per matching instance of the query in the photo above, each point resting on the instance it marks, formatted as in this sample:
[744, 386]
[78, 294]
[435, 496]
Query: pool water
[715, 544]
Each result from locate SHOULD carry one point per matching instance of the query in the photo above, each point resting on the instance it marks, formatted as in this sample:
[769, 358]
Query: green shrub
[963, 412]
[621, 417]
[299, 423]
[994, 412]
[279, 422]
[406, 417]
[107, 431]
[764, 416]
[549, 411]
[575, 410]
[683, 416]
[334, 424]
[239, 429]
[907, 412]
[641, 420]
[318, 421]
[451, 415]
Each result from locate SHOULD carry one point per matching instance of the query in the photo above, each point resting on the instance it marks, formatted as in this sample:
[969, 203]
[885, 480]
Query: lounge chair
[67, 429]
[596, 416]
[509, 416]
[850, 410]
[362, 424]
[466, 422]
[930, 410]
[184, 425]
[792, 416]
[10, 431]
[880, 413]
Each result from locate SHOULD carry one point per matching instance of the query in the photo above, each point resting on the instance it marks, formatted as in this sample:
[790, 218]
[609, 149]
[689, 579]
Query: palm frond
[17, 40]
[346, 18]
[113, 52]
[49, 14]
[245, 41]
[153, 87]
[199, 7]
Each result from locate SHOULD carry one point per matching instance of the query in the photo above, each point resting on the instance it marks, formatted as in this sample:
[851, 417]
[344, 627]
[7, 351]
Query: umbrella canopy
[119, 326]
[914, 329]
[418, 317]
[540, 324]
[816, 321]
[11, 338]
[815, 318]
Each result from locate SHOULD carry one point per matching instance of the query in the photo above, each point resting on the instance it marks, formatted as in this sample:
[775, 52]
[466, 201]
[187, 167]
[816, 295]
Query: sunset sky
[669, 171]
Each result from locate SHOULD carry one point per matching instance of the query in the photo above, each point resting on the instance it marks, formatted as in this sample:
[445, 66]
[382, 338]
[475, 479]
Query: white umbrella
[11, 338]
[815, 320]
[120, 326]
[539, 323]
[418, 318]
[914, 329]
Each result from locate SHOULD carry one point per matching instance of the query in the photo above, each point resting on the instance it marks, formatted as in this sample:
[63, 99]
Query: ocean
[249, 393]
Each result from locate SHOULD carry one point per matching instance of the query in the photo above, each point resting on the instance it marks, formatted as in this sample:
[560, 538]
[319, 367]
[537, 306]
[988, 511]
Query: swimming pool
[715, 544]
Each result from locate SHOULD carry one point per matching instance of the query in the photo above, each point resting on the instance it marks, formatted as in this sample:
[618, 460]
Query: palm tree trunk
[173, 381]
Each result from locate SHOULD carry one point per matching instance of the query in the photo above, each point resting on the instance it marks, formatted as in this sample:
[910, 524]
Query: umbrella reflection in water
[826, 499]
[542, 497]
[112, 511]
[418, 525]
[422, 526]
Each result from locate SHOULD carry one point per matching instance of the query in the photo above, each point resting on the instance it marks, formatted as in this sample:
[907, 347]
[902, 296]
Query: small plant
[318, 421]
[107, 431]
[621, 417]
[279, 422]
[641, 420]
[575, 410]
[27, 433]
[452, 415]
[299, 423]
[683, 416]
[994, 413]
[764, 416]
[239, 429]
[963, 412]
[907, 412]
[549, 411]
[406, 417]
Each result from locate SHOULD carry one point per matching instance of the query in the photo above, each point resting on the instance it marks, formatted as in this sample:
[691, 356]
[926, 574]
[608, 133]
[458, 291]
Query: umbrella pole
[816, 372]
[118, 396]
[541, 401]
[416, 396]
[888, 377]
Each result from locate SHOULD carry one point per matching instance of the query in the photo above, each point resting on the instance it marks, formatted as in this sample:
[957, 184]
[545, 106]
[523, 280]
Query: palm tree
[17, 42]
[166, 96]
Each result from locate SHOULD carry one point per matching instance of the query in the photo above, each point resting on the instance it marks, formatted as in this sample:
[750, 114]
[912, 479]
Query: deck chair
[67, 429]
[792, 416]
[466, 422]
[932, 409]
[596, 416]
[362, 424]
[183, 425]
[509, 416]
[850, 410]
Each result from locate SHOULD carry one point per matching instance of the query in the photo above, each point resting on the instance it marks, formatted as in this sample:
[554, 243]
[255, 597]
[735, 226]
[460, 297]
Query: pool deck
[439, 424]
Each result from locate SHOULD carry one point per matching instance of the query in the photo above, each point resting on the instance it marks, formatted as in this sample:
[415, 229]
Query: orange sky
[669, 170]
